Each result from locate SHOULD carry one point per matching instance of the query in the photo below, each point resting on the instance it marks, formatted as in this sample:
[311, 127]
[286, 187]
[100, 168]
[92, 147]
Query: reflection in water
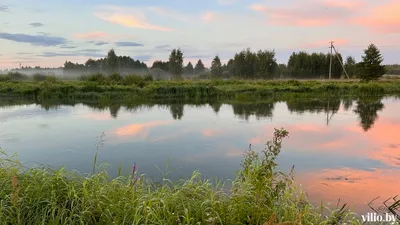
[352, 153]
[260, 110]
[367, 109]
[177, 111]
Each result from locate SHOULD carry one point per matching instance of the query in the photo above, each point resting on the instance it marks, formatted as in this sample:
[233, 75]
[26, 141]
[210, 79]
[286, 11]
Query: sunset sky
[47, 33]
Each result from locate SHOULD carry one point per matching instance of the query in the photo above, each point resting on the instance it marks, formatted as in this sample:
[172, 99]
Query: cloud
[36, 24]
[143, 57]
[128, 44]
[163, 46]
[382, 19]
[167, 13]
[37, 40]
[68, 46]
[210, 16]
[92, 35]
[127, 18]
[98, 43]
[310, 13]
[3, 8]
[77, 53]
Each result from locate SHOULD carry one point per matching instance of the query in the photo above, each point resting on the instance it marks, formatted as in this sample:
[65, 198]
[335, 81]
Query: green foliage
[371, 65]
[351, 67]
[97, 77]
[115, 78]
[112, 61]
[148, 77]
[189, 70]
[199, 68]
[251, 65]
[259, 195]
[133, 80]
[176, 62]
[39, 77]
[316, 65]
[216, 67]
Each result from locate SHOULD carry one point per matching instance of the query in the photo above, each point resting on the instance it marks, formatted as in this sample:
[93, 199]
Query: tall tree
[176, 62]
[112, 61]
[350, 66]
[371, 65]
[216, 66]
[189, 69]
[199, 67]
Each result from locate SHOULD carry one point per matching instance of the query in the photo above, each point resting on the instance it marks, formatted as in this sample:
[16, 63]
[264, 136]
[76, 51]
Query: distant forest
[245, 64]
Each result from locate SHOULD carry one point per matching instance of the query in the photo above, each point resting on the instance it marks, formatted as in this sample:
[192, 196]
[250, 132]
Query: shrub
[115, 77]
[97, 77]
[133, 79]
[148, 77]
[39, 77]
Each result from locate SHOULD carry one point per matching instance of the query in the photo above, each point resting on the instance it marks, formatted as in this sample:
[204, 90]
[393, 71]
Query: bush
[115, 77]
[133, 79]
[39, 77]
[148, 77]
[16, 76]
[97, 77]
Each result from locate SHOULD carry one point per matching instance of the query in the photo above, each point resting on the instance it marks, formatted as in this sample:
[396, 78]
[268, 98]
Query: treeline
[109, 64]
[246, 64]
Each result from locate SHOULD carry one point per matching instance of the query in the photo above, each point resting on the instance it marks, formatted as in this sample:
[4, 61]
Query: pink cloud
[95, 35]
[382, 19]
[132, 18]
[310, 13]
[210, 16]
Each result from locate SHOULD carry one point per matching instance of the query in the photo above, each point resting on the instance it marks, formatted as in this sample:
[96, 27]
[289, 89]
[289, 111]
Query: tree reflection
[177, 111]
[260, 110]
[367, 110]
[114, 109]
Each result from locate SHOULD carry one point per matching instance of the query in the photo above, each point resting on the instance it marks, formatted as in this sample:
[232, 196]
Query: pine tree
[216, 66]
[199, 67]
[189, 69]
[371, 67]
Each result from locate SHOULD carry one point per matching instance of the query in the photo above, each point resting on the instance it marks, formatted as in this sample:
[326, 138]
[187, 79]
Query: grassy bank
[141, 88]
[259, 195]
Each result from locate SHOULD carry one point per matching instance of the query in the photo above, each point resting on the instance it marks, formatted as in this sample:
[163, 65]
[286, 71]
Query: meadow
[115, 86]
[258, 195]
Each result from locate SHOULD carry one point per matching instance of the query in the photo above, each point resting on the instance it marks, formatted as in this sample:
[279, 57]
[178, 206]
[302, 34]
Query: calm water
[347, 149]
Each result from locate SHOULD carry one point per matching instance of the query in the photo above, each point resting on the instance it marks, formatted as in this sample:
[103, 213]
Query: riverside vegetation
[259, 194]
[116, 86]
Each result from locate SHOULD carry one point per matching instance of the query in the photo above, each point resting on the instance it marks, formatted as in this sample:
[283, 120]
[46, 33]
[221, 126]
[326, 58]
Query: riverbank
[191, 89]
[258, 195]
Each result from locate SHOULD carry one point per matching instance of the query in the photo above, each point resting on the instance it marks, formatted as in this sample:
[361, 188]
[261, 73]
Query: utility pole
[330, 61]
[344, 69]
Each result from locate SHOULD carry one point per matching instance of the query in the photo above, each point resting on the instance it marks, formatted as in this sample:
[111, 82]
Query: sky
[47, 33]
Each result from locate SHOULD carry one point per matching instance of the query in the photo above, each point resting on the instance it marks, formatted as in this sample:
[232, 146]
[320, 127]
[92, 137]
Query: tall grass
[258, 195]
[132, 86]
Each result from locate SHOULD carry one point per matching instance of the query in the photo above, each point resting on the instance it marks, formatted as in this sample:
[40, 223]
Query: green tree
[350, 66]
[199, 67]
[216, 66]
[112, 61]
[189, 69]
[371, 65]
[176, 62]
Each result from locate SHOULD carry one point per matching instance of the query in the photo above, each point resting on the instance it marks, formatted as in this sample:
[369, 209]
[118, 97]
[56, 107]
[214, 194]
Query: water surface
[346, 149]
